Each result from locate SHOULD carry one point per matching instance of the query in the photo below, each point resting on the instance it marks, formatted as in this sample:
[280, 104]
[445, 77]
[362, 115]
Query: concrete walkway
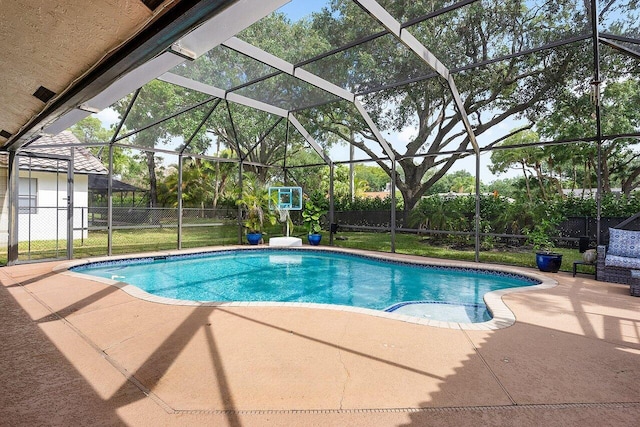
[79, 352]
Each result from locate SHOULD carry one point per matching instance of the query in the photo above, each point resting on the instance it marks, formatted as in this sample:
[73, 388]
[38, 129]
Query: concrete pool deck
[79, 352]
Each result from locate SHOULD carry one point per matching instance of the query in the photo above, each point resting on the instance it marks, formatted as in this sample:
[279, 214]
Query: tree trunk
[526, 181]
[588, 167]
[221, 183]
[153, 185]
[628, 183]
[558, 181]
[540, 177]
[411, 199]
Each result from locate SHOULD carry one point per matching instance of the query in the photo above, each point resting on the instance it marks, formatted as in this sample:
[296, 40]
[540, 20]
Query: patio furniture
[620, 257]
[634, 285]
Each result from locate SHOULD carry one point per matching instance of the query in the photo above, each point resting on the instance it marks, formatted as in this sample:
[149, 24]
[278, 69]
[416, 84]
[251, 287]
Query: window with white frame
[28, 195]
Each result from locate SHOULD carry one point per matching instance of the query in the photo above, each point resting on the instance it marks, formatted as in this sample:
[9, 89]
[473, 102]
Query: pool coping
[503, 317]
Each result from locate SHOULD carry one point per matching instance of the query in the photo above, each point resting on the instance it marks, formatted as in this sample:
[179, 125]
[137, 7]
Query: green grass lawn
[133, 241]
[416, 245]
[144, 240]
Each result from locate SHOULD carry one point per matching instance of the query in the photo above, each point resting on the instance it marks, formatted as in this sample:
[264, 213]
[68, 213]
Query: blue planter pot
[254, 238]
[314, 239]
[548, 262]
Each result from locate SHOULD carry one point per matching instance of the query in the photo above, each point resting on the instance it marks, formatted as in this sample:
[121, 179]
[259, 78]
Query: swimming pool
[315, 276]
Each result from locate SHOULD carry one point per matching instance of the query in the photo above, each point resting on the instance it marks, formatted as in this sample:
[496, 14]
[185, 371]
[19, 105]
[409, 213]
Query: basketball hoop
[283, 200]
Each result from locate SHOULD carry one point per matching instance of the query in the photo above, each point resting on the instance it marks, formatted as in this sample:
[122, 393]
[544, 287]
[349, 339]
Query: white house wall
[42, 224]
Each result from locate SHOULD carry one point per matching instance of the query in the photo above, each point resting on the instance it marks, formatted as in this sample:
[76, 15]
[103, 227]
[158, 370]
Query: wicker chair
[609, 273]
[623, 256]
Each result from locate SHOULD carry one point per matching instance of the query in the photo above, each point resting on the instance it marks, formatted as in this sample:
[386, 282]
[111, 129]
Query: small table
[634, 283]
[593, 264]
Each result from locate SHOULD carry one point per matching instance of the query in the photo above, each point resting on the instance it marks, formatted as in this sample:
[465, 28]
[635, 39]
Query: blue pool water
[314, 277]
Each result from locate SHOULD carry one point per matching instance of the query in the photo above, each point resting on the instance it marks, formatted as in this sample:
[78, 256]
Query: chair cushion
[622, 262]
[624, 243]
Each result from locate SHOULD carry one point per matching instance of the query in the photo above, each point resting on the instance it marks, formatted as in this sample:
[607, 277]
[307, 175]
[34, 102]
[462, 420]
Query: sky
[297, 9]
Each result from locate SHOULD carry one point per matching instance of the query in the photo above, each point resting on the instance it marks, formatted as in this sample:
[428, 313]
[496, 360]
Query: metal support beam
[477, 216]
[404, 36]
[227, 23]
[284, 158]
[617, 37]
[352, 169]
[312, 142]
[220, 93]
[12, 190]
[258, 105]
[202, 122]
[331, 202]
[180, 166]
[125, 115]
[596, 98]
[117, 90]
[70, 204]
[110, 203]
[253, 147]
[236, 140]
[164, 119]
[393, 205]
[474, 65]
[385, 146]
[463, 114]
[240, 170]
[287, 67]
[620, 48]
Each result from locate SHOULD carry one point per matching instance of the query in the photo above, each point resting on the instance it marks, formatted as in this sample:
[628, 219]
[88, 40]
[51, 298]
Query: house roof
[83, 160]
[587, 192]
[100, 184]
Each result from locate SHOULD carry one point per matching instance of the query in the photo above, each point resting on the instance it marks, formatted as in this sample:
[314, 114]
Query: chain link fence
[569, 231]
[43, 232]
[588, 226]
[139, 229]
